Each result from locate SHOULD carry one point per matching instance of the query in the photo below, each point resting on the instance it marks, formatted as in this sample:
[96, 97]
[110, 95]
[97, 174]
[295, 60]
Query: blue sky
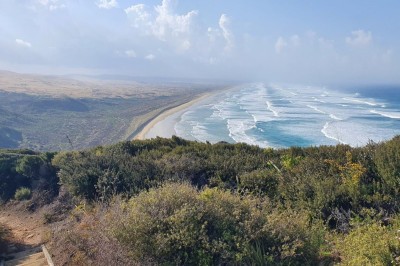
[278, 41]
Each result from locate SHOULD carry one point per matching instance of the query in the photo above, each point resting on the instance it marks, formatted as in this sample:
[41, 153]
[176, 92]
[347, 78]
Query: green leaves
[192, 203]
[176, 224]
[387, 160]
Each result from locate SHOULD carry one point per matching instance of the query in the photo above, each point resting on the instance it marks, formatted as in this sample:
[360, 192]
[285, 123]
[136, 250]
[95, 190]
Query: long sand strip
[164, 115]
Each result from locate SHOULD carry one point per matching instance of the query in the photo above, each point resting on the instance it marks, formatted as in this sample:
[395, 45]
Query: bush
[130, 167]
[84, 240]
[387, 160]
[370, 244]
[178, 225]
[29, 166]
[10, 180]
[260, 182]
[241, 204]
[22, 193]
[24, 168]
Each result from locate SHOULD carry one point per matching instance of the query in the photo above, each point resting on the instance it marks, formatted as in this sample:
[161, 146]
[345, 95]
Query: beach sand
[163, 124]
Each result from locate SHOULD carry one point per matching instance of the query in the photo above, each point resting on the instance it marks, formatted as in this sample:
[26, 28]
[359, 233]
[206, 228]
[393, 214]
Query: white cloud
[107, 4]
[221, 37]
[23, 43]
[280, 44]
[224, 24]
[130, 53]
[150, 57]
[181, 32]
[212, 34]
[164, 24]
[359, 38]
[168, 25]
[140, 17]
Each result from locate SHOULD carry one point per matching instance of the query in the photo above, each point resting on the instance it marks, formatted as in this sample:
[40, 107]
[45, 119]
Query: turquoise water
[283, 116]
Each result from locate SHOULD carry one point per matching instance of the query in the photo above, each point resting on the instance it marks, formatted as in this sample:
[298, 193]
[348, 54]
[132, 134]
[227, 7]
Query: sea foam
[281, 117]
[393, 115]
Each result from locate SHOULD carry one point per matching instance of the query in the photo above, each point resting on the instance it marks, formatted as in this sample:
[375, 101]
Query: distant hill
[57, 113]
[60, 104]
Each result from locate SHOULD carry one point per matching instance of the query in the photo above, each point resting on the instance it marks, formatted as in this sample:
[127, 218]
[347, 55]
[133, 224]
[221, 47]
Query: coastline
[169, 112]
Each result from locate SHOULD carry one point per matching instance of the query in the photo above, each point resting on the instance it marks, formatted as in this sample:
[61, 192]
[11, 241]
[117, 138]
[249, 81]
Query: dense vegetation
[21, 170]
[172, 201]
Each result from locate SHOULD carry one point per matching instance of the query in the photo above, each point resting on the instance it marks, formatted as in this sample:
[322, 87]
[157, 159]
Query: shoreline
[167, 113]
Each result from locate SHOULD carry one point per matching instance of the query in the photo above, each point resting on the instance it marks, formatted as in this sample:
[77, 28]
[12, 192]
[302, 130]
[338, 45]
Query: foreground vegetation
[172, 201]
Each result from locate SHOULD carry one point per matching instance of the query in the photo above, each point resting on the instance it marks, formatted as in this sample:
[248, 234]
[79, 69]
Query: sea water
[282, 116]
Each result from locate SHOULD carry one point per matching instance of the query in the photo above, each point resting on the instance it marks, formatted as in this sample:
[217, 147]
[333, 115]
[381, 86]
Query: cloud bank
[189, 39]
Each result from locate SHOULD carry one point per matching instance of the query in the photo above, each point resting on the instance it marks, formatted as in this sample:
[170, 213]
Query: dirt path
[26, 228]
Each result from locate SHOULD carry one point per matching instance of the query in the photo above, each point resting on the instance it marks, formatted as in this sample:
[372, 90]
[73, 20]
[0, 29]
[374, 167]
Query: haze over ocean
[283, 116]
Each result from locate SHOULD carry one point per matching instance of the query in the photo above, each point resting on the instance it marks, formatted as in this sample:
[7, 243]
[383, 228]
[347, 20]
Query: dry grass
[58, 86]
[4, 235]
[83, 239]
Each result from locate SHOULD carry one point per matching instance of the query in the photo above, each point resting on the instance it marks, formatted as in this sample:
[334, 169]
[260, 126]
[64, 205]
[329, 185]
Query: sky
[304, 41]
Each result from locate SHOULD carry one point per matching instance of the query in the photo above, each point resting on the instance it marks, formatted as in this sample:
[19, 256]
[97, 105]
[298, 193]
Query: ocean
[283, 116]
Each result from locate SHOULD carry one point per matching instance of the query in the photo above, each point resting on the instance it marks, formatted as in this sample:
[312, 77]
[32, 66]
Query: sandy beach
[163, 124]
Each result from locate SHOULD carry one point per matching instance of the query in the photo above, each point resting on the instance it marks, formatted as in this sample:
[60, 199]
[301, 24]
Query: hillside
[59, 113]
[172, 201]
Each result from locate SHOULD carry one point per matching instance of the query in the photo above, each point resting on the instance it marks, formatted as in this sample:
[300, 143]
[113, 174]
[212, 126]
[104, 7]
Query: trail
[26, 236]
[26, 228]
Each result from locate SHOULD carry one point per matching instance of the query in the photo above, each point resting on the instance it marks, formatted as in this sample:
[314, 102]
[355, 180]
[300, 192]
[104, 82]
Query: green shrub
[150, 226]
[130, 167]
[387, 160]
[370, 244]
[29, 165]
[22, 193]
[247, 205]
[10, 180]
[178, 225]
[24, 168]
[259, 182]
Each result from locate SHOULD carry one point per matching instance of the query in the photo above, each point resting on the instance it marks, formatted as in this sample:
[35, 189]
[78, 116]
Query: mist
[225, 41]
